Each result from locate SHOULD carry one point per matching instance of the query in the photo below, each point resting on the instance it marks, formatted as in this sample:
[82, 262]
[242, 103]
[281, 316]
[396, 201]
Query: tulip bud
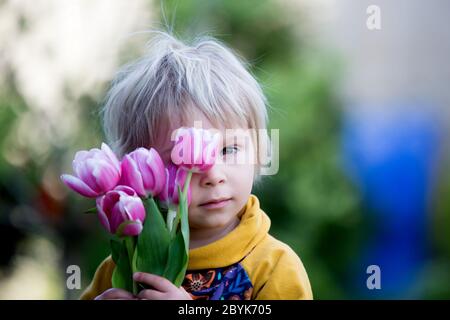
[143, 170]
[97, 172]
[121, 210]
[195, 149]
[175, 176]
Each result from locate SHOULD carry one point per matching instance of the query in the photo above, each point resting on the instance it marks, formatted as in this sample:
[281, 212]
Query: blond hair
[173, 75]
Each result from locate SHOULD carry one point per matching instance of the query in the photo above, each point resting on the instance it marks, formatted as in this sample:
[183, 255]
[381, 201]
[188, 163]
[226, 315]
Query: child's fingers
[186, 294]
[114, 294]
[149, 294]
[154, 281]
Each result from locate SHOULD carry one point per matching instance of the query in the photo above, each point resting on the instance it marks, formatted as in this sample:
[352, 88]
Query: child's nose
[212, 177]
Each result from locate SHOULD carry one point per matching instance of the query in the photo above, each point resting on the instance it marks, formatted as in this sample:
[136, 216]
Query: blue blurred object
[391, 153]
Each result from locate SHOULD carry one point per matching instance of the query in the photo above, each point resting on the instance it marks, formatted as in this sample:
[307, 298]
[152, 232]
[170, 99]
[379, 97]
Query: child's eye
[230, 149]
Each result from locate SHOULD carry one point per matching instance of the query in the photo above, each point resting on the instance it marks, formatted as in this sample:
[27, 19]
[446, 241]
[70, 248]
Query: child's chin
[213, 222]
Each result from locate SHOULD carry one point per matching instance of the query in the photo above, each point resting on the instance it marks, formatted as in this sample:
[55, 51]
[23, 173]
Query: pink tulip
[195, 149]
[175, 176]
[118, 206]
[143, 170]
[97, 172]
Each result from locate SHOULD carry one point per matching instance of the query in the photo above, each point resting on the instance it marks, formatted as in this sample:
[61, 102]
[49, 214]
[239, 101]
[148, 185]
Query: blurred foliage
[313, 206]
[27, 206]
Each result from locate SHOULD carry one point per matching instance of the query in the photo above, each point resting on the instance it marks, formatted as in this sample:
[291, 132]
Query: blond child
[232, 255]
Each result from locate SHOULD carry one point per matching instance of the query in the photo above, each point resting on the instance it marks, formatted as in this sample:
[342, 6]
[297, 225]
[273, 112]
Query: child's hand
[163, 289]
[116, 294]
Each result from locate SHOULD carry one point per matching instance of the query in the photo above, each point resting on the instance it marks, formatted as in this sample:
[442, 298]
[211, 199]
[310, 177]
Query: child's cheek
[195, 180]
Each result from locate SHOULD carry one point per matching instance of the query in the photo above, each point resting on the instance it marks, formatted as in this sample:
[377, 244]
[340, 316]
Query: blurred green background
[56, 62]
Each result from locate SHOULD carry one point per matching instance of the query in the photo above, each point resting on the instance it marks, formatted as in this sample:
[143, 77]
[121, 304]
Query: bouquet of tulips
[143, 204]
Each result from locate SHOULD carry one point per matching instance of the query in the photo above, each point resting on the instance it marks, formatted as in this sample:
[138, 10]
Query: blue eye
[231, 149]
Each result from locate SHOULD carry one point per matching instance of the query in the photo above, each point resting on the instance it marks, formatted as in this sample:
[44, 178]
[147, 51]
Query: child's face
[231, 178]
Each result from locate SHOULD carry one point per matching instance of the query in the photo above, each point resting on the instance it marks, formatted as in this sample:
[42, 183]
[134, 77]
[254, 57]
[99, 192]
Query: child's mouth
[216, 204]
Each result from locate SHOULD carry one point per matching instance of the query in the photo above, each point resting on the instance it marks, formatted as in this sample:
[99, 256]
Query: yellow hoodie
[248, 263]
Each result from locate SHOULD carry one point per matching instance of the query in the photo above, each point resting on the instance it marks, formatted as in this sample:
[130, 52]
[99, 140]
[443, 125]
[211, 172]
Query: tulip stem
[186, 183]
[176, 219]
[171, 214]
[130, 245]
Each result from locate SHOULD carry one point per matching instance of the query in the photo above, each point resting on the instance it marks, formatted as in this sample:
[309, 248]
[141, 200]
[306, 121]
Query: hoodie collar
[233, 247]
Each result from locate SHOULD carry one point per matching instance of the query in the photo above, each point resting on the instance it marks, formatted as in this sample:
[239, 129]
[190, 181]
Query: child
[232, 255]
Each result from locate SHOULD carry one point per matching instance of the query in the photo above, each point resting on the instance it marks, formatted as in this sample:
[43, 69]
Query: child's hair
[173, 77]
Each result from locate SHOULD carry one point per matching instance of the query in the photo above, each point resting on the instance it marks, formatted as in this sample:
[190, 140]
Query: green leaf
[182, 272]
[134, 261]
[139, 286]
[122, 275]
[153, 242]
[91, 210]
[119, 280]
[177, 260]
[130, 246]
[116, 247]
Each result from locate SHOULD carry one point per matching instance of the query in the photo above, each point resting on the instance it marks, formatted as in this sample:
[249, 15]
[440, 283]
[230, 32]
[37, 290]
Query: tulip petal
[133, 229]
[78, 185]
[164, 194]
[79, 158]
[111, 155]
[116, 217]
[109, 201]
[196, 137]
[131, 176]
[180, 180]
[143, 160]
[133, 207]
[85, 173]
[129, 191]
[178, 153]
[118, 206]
[156, 164]
[101, 214]
[106, 176]
[209, 156]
